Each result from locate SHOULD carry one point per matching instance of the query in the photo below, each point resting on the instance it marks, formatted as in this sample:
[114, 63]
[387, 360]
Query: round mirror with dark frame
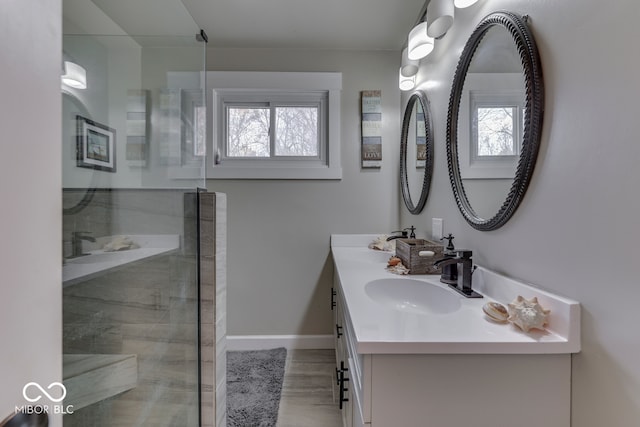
[416, 152]
[494, 121]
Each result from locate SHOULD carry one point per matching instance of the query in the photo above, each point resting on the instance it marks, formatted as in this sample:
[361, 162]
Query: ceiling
[305, 24]
[313, 24]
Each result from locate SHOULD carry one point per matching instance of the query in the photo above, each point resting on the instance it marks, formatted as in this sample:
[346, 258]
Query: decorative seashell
[120, 243]
[382, 244]
[394, 260]
[496, 312]
[398, 269]
[527, 314]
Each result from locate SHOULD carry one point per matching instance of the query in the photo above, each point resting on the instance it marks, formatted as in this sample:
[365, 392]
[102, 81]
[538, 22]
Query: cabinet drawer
[359, 364]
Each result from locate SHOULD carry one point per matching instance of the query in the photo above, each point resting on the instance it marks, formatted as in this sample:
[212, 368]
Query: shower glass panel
[133, 157]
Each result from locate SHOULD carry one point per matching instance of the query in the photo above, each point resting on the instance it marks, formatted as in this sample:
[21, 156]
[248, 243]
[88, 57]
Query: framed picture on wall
[96, 145]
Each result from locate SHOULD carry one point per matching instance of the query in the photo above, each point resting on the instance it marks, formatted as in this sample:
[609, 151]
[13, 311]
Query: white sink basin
[413, 296]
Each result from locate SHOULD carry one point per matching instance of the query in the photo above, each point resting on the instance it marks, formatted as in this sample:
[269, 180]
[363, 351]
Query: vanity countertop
[380, 329]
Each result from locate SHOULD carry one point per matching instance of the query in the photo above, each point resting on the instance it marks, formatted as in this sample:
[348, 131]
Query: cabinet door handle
[342, 382]
[339, 371]
[338, 330]
[333, 300]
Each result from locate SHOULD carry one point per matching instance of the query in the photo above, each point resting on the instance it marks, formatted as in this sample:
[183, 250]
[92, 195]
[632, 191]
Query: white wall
[576, 232]
[30, 183]
[279, 272]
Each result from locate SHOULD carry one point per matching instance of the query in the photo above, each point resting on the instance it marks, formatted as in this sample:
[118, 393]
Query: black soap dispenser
[449, 272]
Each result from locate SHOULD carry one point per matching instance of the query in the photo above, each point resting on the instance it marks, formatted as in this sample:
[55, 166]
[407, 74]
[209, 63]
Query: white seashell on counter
[496, 312]
[527, 314]
[120, 243]
[382, 244]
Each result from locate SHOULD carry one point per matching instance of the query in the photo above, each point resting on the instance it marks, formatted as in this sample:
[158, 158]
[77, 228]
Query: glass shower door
[133, 156]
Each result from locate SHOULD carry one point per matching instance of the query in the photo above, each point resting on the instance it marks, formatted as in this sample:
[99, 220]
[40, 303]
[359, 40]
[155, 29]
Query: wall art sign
[371, 122]
[137, 147]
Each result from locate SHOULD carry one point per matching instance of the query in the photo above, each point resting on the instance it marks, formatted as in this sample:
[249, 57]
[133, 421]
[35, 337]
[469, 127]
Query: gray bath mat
[254, 384]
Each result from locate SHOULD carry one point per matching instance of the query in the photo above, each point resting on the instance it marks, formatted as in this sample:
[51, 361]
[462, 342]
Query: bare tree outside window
[296, 131]
[248, 132]
[495, 131]
[248, 128]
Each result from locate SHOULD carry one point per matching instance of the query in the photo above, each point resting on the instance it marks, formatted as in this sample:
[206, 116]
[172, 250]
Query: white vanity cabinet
[349, 366]
[448, 390]
[447, 370]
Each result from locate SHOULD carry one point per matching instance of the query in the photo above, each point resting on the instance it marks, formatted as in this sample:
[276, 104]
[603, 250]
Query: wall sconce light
[74, 75]
[408, 71]
[406, 82]
[409, 67]
[420, 44]
[460, 4]
[439, 17]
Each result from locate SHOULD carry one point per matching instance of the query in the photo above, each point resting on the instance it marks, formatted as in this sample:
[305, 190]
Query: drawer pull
[341, 383]
[339, 371]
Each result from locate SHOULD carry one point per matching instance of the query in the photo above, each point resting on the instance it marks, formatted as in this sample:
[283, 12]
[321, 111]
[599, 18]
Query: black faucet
[465, 270]
[404, 233]
[76, 242]
[449, 272]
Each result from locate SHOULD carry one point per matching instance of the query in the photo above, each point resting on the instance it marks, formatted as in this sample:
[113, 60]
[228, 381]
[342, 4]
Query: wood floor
[309, 394]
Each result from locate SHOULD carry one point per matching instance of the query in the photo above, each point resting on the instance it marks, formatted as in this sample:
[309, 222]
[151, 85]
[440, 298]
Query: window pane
[247, 132]
[296, 131]
[495, 131]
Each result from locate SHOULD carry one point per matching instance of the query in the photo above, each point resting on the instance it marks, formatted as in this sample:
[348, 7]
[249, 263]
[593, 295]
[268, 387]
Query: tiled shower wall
[111, 212]
[149, 309]
[213, 260]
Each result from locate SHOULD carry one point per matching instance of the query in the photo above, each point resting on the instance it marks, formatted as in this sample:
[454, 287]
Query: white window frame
[488, 90]
[271, 100]
[275, 88]
[497, 100]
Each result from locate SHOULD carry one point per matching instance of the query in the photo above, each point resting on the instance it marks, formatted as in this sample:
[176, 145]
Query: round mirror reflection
[490, 125]
[416, 152]
[495, 118]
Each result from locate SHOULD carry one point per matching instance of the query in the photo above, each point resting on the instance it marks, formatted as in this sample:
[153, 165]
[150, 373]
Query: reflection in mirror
[490, 124]
[495, 120]
[416, 152]
[72, 106]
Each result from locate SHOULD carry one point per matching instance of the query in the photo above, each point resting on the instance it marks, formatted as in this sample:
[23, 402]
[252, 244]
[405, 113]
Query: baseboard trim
[290, 342]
